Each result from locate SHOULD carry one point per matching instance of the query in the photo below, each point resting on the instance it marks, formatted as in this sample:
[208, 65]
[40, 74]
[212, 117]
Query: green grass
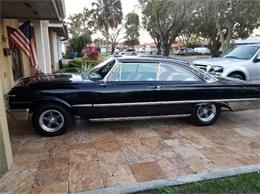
[246, 183]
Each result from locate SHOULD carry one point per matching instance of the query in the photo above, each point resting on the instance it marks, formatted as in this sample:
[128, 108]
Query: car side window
[173, 73]
[134, 72]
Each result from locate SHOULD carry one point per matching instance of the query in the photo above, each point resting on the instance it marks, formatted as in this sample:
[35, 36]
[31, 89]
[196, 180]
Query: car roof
[151, 59]
[249, 45]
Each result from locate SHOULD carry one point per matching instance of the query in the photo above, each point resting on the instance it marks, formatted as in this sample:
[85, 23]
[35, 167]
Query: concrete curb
[131, 188]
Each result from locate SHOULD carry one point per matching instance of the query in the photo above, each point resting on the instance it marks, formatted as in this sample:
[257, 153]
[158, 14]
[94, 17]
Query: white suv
[242, 62]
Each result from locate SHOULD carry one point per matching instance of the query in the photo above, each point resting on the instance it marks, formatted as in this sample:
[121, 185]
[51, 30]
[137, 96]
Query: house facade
[49, 30]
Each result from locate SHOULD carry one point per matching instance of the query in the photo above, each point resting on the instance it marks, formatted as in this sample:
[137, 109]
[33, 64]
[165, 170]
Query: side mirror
[257, 59]
[94, 77]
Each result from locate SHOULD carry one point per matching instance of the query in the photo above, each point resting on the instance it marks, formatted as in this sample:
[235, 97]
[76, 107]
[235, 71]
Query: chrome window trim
[120, 72]
[186, 70]
[164, 102]
[120, 64]
[158, 71]
[115, 65]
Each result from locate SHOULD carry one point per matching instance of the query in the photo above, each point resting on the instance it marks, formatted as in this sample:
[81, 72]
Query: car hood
[50, 78]
[217, 61]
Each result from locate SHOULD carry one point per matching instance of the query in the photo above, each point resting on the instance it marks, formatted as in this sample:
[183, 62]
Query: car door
[178, 88]
[129, 90]
[255, 68]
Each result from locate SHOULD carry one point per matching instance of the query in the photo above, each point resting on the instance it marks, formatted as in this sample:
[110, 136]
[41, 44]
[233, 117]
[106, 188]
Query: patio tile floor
[98, 155]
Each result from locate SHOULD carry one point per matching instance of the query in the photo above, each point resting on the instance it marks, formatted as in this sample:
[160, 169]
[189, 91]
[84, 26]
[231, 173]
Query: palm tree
[108, 14]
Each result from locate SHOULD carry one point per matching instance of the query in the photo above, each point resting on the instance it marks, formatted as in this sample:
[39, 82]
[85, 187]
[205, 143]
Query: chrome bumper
[246, 105]
[19, 114]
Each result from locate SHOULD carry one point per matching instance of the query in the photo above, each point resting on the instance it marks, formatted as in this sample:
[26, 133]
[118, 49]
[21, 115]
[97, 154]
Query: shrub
[91, 52]
[77, 62]
[83, 64]
[77, 43]
[69, 70]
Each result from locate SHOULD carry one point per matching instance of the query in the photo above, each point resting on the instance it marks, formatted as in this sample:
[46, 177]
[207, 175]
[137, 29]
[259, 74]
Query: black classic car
[127, 88]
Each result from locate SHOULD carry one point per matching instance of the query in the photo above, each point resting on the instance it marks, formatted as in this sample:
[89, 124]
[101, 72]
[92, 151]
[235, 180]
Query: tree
[235, 17]
[203, 25]
[167, 18]
[108, 14]
[214, 20]
[81, 26]
[81, 23]
[132, 26]
[148, 25]
[114, 38]
[78, 42]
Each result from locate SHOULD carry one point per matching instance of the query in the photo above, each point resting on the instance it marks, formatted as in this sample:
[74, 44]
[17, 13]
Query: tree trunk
[158, 45]
[166, 49]
[218, 26]
[107, 38]
[214, 47]
[113, 49]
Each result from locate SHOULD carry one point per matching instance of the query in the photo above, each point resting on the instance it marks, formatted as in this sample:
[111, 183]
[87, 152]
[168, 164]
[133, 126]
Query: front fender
[49, 100]
[243, 70]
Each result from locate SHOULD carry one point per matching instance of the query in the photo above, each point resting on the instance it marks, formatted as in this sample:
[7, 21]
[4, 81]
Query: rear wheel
[205, 114]
[51, 119]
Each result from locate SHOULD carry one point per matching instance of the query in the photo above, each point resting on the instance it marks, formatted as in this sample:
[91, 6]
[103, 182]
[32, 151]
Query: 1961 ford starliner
[127, 88]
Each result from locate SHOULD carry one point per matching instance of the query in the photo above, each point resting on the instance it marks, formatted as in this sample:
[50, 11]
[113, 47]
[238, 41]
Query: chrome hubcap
[51, 120]
[206, 112]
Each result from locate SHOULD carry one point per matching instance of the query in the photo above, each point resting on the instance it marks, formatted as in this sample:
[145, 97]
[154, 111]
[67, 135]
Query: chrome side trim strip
[81, 105]
[165, 102]
[140, 117]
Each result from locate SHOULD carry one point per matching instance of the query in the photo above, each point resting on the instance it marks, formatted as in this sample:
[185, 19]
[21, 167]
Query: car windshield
[101, 69]
[242, 52]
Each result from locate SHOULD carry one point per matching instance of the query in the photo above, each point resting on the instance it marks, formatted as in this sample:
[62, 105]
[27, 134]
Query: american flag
[22, 38]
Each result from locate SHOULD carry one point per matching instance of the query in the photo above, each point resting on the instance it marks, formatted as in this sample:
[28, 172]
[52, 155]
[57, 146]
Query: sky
[76, 6]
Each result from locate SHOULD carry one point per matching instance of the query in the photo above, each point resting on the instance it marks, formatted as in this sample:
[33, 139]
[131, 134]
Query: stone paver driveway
[98, 155]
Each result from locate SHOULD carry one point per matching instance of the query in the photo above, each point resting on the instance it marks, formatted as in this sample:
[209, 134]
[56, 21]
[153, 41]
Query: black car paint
[72, 90]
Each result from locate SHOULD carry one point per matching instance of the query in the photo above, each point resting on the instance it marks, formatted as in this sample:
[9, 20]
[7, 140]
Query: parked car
[128, 88]
[242, 62]
[184, 51]
[190, 51]
[128, 52]
[202, 50]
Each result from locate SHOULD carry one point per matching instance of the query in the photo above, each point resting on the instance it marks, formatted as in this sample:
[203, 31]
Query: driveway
[97, 155]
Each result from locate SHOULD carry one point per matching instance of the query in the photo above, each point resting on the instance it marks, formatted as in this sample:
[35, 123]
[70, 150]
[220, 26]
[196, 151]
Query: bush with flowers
[91, 52]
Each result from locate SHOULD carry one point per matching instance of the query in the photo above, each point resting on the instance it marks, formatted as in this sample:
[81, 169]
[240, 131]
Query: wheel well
[38, 103]
[239, 73]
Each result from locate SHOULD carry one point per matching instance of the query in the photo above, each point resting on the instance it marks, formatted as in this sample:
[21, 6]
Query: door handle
[102, 83]
[158, 87]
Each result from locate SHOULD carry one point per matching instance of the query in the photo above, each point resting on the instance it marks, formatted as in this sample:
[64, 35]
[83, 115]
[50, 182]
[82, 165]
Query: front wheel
[51, 119]
[205, 114]
[236, 76]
